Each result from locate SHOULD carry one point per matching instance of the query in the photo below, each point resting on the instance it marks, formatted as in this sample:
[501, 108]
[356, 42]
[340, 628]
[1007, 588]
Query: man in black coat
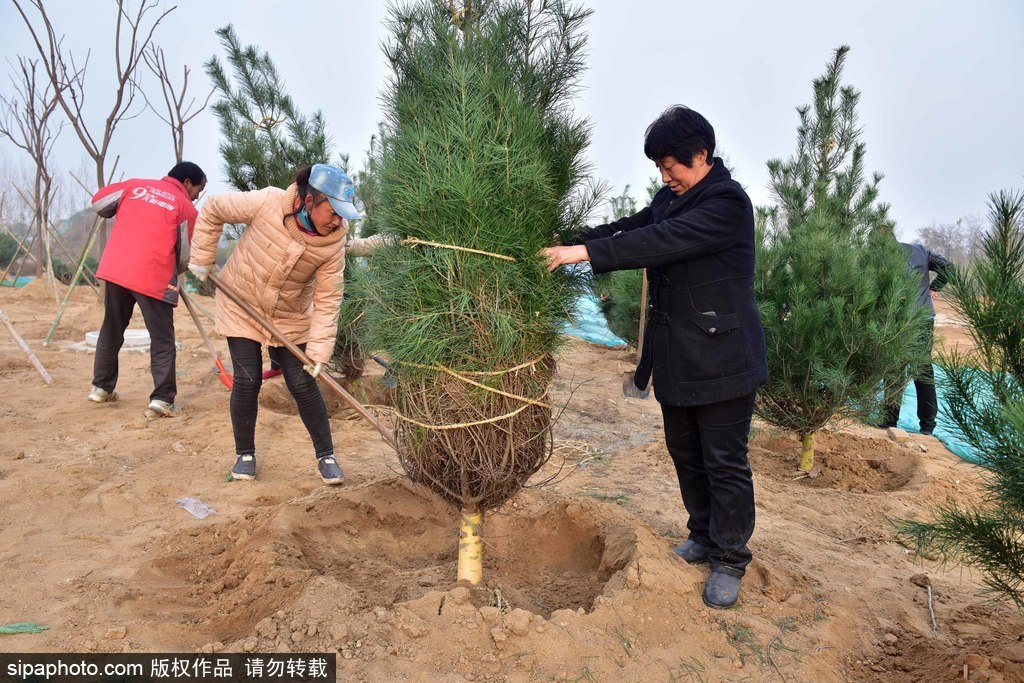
[704, 344]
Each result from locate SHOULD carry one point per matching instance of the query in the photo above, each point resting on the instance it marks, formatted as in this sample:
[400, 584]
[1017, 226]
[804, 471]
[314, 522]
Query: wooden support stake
[24, 347]
[71, 287]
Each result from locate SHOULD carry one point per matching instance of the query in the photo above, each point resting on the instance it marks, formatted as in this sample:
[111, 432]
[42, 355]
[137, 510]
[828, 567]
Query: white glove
[201, 272]
[314, 370]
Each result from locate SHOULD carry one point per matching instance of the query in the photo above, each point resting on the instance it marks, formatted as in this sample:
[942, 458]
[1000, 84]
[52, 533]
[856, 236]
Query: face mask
[302, 216]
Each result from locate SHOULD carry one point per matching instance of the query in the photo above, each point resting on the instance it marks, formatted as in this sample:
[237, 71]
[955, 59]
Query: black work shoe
[721, 590]
[927, 431]
[330, 471]
[692, 551]
[245, 467]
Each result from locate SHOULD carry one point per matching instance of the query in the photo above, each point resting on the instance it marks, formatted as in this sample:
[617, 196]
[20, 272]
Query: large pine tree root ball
[475, 447]
[475, 439]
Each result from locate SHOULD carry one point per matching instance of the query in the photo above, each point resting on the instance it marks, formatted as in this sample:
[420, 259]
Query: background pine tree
[836, 294]
[984, 390]
[264, 136]
[619, 290]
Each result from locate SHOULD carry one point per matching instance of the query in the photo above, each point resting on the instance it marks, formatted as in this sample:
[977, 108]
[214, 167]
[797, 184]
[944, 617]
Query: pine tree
[619, 291]
[349, 356]
[836, 294]
[984, 391]
[265, 138]
[481, 161]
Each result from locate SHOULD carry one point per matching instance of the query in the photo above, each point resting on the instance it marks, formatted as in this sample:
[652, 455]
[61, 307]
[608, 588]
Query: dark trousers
[924, 385]
[708, 445]
[119, 303]
[247, 364]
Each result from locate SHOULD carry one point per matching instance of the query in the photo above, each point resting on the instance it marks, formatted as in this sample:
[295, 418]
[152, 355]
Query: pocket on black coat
[706, 347]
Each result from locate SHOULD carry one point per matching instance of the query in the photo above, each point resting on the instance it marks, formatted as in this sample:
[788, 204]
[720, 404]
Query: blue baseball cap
[339, 188]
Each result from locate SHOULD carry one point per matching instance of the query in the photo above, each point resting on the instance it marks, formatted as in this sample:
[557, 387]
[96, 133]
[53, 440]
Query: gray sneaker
[330, 471]
[158, 408]
[245, 467]
[98, 395]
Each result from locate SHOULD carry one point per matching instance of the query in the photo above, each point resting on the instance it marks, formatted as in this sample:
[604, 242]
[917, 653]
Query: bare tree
[131, 39]
[25, 121]
[177, 112]
[960, 242]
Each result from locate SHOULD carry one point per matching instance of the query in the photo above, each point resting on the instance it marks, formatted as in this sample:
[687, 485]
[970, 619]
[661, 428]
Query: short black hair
[679, 132]
[186, 170]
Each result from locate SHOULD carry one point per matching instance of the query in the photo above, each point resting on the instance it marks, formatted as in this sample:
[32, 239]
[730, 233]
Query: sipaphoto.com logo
[59, 668]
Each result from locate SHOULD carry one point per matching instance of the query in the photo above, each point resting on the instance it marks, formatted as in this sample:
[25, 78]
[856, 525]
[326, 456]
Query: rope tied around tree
[414, 242]
[443, 423]
[461, 376]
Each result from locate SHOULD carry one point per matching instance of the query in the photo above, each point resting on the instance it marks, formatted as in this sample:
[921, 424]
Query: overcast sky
[941, 96]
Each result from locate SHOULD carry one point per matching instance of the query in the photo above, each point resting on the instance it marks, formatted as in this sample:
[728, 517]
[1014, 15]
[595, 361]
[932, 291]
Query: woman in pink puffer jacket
[289, 264]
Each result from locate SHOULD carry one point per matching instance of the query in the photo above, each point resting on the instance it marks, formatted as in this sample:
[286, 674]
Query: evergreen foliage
[265, 138]
[984, 391]
[836, 294]
[8, 248]
[479, 150]
[619, 291]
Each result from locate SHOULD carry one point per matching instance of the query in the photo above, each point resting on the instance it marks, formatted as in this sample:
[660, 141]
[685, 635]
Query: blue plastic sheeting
[591, 325]
[20, 282]
[945, 430]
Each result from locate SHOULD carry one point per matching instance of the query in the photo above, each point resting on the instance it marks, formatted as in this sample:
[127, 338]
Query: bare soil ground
[581, 584]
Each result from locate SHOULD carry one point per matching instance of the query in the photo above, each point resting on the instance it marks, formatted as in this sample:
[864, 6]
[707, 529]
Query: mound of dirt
[848, 462]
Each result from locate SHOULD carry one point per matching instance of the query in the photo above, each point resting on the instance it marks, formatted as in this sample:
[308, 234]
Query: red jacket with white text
[151, 234]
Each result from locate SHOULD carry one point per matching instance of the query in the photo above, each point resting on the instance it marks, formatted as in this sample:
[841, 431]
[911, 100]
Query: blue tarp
[20, 282]
[945, 430]
[591, 325]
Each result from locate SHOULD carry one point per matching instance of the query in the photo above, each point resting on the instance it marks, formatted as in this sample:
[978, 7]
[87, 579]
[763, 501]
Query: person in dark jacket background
[922, 262]
[704, 343]
[148, 247]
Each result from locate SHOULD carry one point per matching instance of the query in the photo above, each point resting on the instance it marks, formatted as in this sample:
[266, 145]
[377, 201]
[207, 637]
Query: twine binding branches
[527, 401]
[413, 242]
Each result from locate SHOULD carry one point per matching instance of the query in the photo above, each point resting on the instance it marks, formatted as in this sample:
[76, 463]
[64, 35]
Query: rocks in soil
[898, 435]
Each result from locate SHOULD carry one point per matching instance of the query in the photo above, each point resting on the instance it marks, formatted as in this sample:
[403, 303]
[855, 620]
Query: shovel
[629, 389]
[225, 377]
[390, 378]
[389, 436]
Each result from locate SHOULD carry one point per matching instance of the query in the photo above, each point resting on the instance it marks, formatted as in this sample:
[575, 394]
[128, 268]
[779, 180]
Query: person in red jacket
[147, 248]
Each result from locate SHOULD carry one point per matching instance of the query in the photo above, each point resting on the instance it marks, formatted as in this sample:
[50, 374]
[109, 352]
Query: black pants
[119, 303]
[708, 445]
[924, 385]
[247, 364]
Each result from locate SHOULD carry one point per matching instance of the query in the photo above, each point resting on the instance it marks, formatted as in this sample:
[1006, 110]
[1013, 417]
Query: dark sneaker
[98, 395]
[927, 431]
[330, 471]
[721, 590]
[692, 551]
[245, 467]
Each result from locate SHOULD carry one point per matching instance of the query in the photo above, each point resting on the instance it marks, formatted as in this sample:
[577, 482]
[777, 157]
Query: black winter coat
[704, 340]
